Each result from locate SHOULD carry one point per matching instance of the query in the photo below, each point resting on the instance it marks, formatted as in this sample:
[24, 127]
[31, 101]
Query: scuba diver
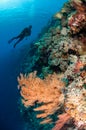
[26, 32]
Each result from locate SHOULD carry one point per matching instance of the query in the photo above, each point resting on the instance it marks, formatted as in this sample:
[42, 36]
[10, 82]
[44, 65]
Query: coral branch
[62, 120]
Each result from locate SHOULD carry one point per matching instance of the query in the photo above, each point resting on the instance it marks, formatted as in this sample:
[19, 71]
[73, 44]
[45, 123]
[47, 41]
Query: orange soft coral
[47, 91]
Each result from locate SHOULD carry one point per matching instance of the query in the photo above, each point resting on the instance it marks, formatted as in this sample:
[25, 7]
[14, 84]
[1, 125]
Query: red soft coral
[62, 120]
[77, 21]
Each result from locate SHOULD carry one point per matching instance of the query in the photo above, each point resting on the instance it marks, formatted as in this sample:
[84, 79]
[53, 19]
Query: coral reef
[53, 89]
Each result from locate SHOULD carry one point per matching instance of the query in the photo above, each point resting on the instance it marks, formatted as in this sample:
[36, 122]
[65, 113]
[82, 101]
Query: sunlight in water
[4, 1]
[6, 4]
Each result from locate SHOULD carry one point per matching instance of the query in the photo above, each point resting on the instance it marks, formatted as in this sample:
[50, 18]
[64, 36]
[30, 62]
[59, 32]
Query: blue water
[14, 16]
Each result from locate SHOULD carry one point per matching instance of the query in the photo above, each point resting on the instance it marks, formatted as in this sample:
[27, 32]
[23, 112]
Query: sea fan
[47, 91]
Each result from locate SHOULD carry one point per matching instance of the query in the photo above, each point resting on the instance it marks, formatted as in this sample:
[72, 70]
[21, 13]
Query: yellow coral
[58, 15]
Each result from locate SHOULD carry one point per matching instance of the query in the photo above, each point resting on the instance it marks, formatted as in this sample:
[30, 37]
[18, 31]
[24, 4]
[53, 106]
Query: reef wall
[53, 86]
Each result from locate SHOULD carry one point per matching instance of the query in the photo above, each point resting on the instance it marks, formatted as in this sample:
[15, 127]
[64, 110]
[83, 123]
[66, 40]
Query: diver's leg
[18, 41]
[13, 39]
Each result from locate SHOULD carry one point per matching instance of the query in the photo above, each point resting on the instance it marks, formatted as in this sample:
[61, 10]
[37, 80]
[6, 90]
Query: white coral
[75, 103]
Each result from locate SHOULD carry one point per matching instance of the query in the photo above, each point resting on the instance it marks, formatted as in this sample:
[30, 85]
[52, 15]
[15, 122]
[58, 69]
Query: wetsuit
[26, 32]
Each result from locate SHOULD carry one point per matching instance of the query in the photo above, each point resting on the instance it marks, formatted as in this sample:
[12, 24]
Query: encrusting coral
[75, 103]
[57, 91]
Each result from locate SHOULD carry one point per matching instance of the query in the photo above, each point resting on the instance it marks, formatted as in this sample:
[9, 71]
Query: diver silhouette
[25, 32]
